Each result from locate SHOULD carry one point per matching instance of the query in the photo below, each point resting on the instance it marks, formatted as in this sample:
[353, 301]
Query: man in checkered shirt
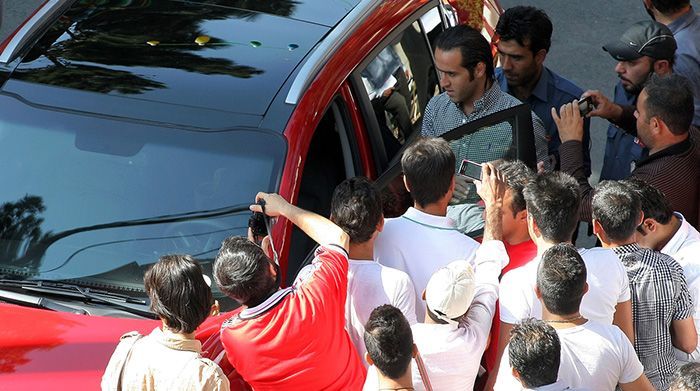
[662, 308]
[465, 65]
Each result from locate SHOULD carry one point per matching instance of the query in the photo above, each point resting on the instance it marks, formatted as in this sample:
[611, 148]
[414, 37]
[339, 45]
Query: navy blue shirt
[622, 149]
[550, 91]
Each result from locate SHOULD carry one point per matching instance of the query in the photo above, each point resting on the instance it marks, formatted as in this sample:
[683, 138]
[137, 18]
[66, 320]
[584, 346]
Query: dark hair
[535, 352]
[653, 202]
[356, 208]
[668, 6]
[429, 168]
[241, 271]
[617, 208]
[561, 279]
[553, 202]
[473, 46]
[517, 175]
[528, 26]
[687, 378]
[179, 295]
[389, 341]
[671, 99]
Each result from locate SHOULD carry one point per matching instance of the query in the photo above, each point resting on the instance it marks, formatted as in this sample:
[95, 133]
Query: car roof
[167, 59]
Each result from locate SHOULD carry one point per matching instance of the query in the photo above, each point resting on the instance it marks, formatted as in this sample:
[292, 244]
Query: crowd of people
[412, 303]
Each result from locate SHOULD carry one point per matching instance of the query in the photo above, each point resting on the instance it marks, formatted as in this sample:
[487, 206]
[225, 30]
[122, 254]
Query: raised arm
[319, 228]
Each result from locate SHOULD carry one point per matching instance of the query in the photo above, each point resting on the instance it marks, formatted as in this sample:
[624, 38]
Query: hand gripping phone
[470, 169]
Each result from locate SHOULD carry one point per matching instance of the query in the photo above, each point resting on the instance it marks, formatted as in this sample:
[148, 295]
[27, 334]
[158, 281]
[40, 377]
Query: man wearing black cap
[644, 49]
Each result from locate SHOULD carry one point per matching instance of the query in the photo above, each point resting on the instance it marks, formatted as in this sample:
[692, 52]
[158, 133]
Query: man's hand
[492, 187]
[569, 122]
[461, 191]
[275, 205]
[604, 108]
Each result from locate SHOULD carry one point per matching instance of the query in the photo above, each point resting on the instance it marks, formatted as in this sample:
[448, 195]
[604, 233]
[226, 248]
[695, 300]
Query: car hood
[42, 349]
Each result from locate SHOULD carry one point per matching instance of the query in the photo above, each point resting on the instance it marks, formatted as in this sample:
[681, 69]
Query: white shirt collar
[678, 238]
[428, 220]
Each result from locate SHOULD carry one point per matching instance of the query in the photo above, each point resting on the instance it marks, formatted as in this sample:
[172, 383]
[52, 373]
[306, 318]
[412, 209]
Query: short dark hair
[670, 98]
[473, 46]
[653, 202]
[687, 378]
[356, 208]
[617, 208]
[561, 279]
[667, 6]
[517, 175]
[528, 26]
[535, 352]
[553, 202]
[179, 295]
[429, 167]
[241, 271]
[389, 341]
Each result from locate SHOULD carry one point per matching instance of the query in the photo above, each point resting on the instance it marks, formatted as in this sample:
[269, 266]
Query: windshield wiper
[125, 303]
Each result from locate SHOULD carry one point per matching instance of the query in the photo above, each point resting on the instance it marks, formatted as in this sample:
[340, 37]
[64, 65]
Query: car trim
[31, 26]
[327, 48]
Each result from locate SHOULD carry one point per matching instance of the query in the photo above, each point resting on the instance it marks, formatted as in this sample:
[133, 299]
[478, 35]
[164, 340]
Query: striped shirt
[659, 296]
[674, 170]
[490, 143]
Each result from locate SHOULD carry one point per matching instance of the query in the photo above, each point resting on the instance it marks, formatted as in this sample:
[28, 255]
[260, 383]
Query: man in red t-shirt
[293, 338]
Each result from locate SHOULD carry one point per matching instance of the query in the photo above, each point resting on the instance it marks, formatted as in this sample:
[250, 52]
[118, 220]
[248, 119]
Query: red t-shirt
[296, 339]
[519, 255]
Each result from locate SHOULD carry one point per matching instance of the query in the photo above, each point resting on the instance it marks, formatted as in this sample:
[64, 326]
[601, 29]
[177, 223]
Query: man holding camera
[644, 49]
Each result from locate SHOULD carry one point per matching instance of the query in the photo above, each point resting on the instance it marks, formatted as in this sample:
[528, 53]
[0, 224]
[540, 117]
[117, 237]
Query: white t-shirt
[594, 355]
[369, 286]
[419, 244]
[607, 279]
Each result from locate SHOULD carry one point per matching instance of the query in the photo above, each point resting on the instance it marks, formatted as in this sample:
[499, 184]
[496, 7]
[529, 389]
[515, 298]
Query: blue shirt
[621, 148]
[686, 31]
[550, 91]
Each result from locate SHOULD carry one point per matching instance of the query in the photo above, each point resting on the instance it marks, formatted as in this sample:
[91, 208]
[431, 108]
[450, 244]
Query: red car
[134, 129]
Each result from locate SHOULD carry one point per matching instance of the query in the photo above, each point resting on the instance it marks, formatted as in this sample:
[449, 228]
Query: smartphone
[585, 105]
[470, 169]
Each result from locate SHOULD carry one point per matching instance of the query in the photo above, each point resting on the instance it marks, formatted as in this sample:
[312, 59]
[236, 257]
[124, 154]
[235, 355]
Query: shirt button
[464, 121]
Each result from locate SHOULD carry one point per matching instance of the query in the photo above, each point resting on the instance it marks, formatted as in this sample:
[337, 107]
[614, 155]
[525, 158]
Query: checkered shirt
[490, 143]
[659, 296]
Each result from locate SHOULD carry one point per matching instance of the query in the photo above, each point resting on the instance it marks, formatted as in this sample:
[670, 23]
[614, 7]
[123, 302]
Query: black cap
[647, 38]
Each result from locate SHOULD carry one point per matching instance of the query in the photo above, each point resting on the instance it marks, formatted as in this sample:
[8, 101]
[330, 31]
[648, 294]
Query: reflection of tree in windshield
[20, 229]
[111, 34]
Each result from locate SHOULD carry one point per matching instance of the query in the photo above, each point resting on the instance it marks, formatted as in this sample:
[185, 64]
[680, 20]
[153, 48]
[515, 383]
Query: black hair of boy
[241, 271]
[653, 202]
[553, 201]
[561, 279]
[535, 353]
[529, 26]
[617, 208]
[429, 168]
[356, 207]
[179, 295]
[471, 44]
[517, 175]
[389, 341]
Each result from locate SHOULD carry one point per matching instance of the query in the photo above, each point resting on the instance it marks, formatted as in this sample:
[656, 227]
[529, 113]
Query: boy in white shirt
[357, 209]
[552, 202]
[594, 355]
[423, 239]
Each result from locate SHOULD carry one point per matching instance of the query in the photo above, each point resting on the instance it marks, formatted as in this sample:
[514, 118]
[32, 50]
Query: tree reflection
[20, 229]
[87, 43]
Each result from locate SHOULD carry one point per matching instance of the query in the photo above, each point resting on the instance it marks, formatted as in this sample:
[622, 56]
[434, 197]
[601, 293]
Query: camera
[470, 169]
[256, 223]
[585, 105]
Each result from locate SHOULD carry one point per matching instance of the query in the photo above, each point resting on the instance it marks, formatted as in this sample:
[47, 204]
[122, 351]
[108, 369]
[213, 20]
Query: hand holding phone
[470, 169]
[586, 105]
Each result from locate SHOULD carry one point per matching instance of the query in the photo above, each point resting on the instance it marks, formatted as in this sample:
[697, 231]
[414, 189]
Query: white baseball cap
[450, 291]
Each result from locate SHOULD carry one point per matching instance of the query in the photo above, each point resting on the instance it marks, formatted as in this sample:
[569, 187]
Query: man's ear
[520, 216]
[479, 70]
[537, 292]
[598, 230]
[405, 183]
[662, 67]
[423, 295]
[585, 288]
[515, 373]
[650, 224]
[415, 351]
[540, 56]
[267, 247]
[380, 225]
[368, 359]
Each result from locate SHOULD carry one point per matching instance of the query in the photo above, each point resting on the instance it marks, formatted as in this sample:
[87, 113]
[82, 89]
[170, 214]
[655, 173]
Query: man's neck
[436, 209]
[544, 245]
[669, 18]
[617, 243]
[517, 237]
[405, 382]
[663, 144]
[468, 104]
[362, 251]
[667, 232]
[523, 92]
[562, 321]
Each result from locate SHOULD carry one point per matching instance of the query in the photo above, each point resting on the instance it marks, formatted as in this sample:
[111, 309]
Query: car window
[399, 81]
[96, 200]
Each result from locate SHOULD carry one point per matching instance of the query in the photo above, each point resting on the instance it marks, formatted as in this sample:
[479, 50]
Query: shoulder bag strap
[423, 372]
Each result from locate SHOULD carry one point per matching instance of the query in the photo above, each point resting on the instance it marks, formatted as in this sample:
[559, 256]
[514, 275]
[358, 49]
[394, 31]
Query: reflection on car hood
[41, 349]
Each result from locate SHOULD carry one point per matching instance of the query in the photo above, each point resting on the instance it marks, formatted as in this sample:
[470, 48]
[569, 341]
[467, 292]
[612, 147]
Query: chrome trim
[328, 46]
[30, 28]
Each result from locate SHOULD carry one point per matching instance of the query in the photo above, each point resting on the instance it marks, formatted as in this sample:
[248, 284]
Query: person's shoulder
[597, 255]
[564, 85]
[519, 277]
[439, 100]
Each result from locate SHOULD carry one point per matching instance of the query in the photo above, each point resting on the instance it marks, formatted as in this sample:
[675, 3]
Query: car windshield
[95, 201]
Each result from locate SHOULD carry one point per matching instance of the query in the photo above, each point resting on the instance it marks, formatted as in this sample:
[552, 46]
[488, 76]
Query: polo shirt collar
[487, 100]
[674, 149]
[626, 249]
[683, 21]
[176, 342]
[268, 304]
[678, 238]
[428, 220]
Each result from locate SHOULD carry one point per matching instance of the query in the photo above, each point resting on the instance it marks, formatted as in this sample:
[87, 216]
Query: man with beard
[524, 37]
[644, 49]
